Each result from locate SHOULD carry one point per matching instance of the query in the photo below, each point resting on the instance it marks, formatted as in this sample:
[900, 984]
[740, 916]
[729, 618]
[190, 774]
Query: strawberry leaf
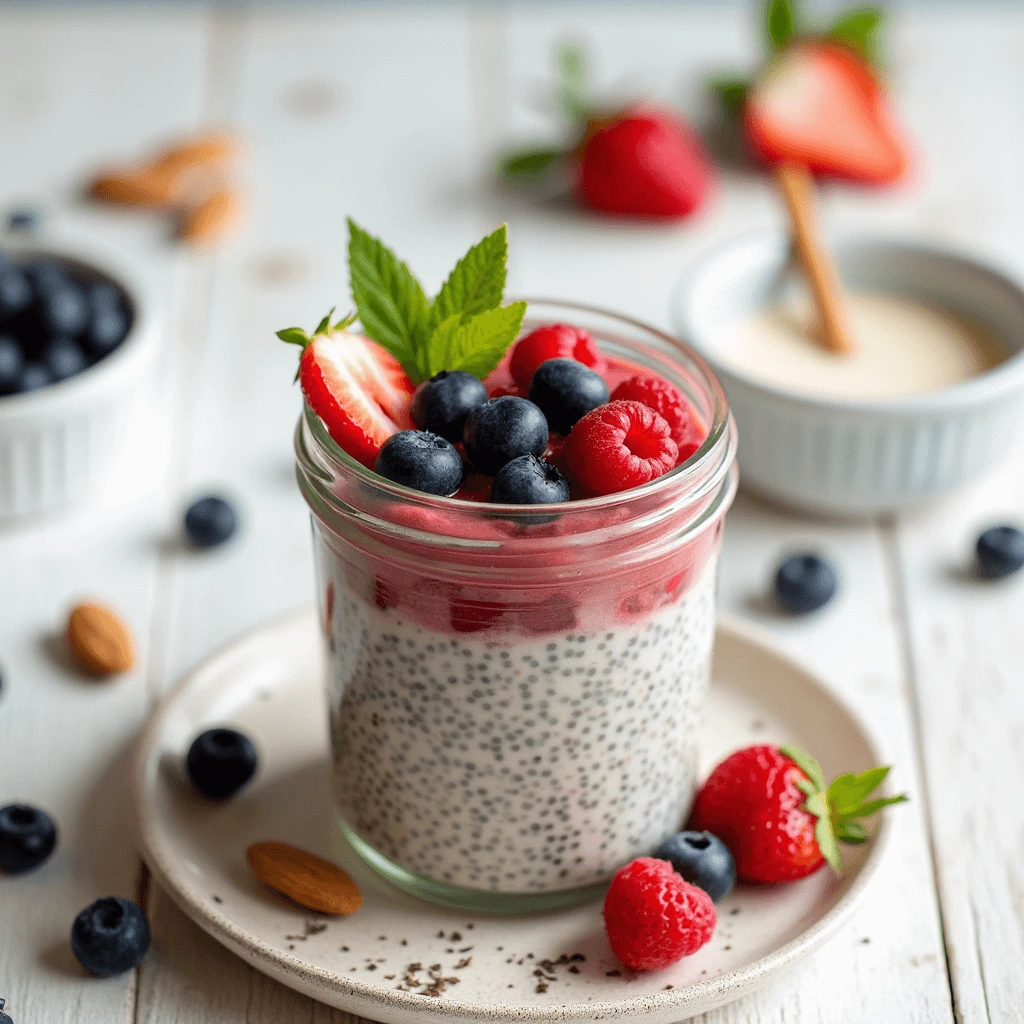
[850, 832]
[730, 93]
[294, 336]
[391, 303]
[865, 810]
[476, 284]
[818, 806]
[475, 346]
[324, 325]
[346, 322]
[522, 165]
[858, 29]
[574, 95]
[847, 791]
[780, 23]
[807, 764]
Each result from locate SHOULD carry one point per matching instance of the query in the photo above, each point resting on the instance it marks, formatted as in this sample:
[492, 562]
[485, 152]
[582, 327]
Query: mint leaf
[858, 29]
[294, 336]
[574, 95]
[847, 791]
[476, 284]
[475, 346]
[523, 164]
[730, 93]
[391, 303]
[806, 763]
[780, 23]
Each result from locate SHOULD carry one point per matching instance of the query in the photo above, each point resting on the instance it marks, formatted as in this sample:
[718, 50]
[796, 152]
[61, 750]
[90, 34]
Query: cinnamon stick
[797, 187]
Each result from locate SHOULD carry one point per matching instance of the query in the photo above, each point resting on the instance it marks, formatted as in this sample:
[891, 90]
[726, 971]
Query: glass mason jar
[514, 694]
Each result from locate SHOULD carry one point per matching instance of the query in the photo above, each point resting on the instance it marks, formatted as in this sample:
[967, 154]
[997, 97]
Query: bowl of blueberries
[77, 342]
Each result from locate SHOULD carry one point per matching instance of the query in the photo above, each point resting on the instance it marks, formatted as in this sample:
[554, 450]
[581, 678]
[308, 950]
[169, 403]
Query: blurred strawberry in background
[819, 100]
[641, 160]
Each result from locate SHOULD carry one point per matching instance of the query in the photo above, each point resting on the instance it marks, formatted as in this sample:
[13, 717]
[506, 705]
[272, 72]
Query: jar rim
[704, 469]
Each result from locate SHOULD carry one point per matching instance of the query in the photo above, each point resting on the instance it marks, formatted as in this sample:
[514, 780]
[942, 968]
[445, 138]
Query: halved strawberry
[821, 106]
[358, 389]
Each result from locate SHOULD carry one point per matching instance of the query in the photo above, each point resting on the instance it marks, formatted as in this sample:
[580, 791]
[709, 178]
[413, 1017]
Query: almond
[101, 643]
[213, 219]
[202, 151]
[144, 187]
[310, 881]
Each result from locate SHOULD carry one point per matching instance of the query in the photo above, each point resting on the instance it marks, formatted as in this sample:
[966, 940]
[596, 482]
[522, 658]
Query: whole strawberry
[630, 160]
[653, 917]
[645, 162]
[771, 807]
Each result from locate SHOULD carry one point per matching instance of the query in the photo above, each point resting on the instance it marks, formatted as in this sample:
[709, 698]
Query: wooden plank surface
[394, 118]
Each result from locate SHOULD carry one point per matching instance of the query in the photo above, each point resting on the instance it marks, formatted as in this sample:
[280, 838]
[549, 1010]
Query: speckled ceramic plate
[554, 967]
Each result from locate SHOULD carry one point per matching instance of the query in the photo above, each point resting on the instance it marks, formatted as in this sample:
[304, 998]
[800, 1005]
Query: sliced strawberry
[646, 163]
[821, 106]
[358, 389]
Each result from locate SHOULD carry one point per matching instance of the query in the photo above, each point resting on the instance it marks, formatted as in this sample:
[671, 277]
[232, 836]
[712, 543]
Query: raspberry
[668, 401]
[618, 446]
[556, 341]
[653, 917]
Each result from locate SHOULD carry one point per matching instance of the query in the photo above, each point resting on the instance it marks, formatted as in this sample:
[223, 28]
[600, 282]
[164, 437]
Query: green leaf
[780, 23]
[818, 806]
[294, 336]
[730, 93]
[523, 164]
[346, 322]
[391, 303]
[806, 763]
[324, 325]
[847, 791]
[475, 346]
[865, 810]
[476, 284]
[851, 832]
[858, 29]
[574, 96]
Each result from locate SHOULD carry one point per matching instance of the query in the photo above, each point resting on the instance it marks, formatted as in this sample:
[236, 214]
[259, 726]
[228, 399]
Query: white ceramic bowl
[855, 457]
[62, 442]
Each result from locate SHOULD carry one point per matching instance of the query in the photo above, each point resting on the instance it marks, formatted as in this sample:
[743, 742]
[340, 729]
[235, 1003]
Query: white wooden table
[393, 118]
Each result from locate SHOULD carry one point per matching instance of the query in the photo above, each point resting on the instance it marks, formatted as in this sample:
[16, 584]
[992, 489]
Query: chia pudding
[514, 696]
[520, 764]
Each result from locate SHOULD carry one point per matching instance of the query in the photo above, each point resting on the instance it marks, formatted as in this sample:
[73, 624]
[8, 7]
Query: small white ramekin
[61, 443]
[860, 458]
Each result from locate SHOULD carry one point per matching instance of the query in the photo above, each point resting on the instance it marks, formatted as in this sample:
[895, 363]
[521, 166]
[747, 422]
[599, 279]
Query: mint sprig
[838, 807]
[464, 328]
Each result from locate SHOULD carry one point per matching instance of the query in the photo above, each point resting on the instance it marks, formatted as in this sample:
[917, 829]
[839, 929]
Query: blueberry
[220, 762]
[503, 429]
[210, 521]
[64, 358]
[46, 276]
[421, 460]
[27, 837]
[702, 859]
[23, 220]
[566, 390]
[1000, 552]
[12, 363]
[64, 309]
[34, 376]
[103, 295]
[442, 403]
[805, 583]
[15, 290]
[110, 936]
[4, 1018]
[528, 480]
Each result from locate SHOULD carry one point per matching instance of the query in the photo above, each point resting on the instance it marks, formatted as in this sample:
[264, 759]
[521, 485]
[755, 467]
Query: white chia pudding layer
[522, 766]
